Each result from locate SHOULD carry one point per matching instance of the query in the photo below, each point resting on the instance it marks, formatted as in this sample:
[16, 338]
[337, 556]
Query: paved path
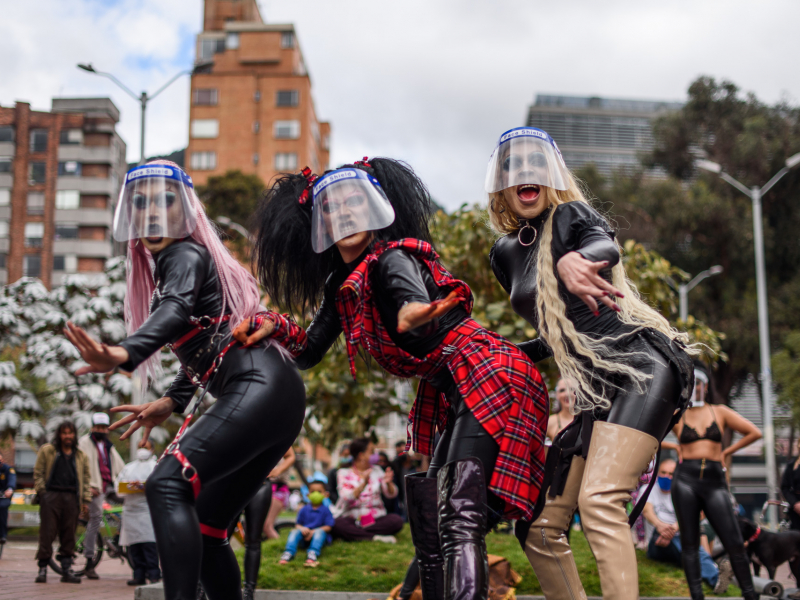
[18, 569]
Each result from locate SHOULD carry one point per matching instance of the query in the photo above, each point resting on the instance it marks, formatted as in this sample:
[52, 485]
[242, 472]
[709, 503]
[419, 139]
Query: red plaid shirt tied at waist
[499, 384]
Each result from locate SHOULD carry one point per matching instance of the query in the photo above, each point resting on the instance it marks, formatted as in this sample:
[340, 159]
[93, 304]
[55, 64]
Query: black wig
[293, 275]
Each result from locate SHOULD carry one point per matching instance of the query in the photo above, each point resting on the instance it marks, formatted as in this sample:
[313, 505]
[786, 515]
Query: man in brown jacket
[61, 479]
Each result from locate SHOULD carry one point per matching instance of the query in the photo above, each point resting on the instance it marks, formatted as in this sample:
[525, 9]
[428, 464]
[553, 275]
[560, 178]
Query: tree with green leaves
[696, 220]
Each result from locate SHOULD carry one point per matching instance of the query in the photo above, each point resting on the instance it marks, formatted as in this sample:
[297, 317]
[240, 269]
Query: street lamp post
[144, 97]
[755, 193]
[685, 288]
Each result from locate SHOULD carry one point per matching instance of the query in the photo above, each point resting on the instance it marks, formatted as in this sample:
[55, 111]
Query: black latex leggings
[255, 515]
[257, 416]
[650, 408]
[701, 487]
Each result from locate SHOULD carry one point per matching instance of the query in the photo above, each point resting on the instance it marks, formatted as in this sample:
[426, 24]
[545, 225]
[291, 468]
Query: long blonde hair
[572, 350]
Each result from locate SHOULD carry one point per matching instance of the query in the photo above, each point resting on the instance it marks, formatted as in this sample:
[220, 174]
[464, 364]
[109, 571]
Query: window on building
[37, 172]
[287, 98]
[5, 196]
[69, 168]
[287, 39]
[205, 128]
[3, 257]
[35, 203]
[70, 137]
[205, 97]
[58, 262]
[32, 265]
[315, 130]
[66, 232]
[38, 140]
[34, 232]
[256, 126]
[208, 48]
[255, 158]
[286, 161]
[7, 133]
[203, 161]
[5, 164]
[257, 96]
[287, 130]
[232, 41]
[68, 199]
[3, 229]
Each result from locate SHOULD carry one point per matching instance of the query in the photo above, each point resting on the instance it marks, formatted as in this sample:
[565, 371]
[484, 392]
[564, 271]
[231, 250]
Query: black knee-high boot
[463, 525]
[422, 518]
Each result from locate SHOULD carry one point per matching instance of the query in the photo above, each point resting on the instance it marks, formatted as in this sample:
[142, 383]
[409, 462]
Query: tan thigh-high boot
[547, 547]
[617, 457]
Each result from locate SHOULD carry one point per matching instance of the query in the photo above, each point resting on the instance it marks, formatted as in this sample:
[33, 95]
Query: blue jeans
[709, 571]
[296, 539]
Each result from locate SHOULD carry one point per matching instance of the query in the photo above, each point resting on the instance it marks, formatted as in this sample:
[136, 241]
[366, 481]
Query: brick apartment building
[253, 109]
[59, 178]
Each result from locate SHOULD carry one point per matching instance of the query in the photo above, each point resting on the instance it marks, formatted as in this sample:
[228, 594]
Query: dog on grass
[770, 550]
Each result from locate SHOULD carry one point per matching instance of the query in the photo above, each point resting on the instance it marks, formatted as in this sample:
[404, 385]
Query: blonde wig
[591, 363]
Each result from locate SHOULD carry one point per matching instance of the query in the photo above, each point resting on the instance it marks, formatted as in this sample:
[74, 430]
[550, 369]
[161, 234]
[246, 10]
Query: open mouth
[154, 240]
[347, 228]
[528, 192]
[154, 230]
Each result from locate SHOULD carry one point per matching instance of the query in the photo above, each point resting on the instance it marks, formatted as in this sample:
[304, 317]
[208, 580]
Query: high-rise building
[60, 173]
[252, 109]
[609, 132]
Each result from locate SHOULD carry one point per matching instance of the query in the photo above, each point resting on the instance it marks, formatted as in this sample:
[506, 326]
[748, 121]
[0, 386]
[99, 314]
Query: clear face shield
[155, 202]
[700, 388]
[346, 202]
[526, 155]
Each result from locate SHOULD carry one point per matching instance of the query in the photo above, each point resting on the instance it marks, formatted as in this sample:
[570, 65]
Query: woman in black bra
[699, 483]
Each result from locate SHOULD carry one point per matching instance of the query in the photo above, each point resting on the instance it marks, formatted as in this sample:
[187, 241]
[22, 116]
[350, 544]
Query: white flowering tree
[38, 385]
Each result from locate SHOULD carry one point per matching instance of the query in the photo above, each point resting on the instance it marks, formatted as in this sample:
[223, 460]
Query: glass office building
[610, 132]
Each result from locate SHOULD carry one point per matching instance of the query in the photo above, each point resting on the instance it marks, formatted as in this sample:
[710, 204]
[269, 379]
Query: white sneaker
[386, 539]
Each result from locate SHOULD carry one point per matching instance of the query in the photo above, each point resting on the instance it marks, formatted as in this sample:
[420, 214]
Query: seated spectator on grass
[360, 513]
[313, 526]
[665, 538]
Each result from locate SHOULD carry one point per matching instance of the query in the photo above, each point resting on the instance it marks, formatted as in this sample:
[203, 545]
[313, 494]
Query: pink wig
[239, 289]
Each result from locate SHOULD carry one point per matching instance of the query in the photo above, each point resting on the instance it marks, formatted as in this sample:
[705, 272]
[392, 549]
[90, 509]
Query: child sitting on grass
[314, 523]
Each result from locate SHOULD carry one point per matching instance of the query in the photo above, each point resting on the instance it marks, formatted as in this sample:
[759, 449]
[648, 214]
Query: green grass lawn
[378, 567]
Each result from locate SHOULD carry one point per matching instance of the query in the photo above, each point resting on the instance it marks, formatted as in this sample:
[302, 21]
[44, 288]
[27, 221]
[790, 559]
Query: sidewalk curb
[156, 592]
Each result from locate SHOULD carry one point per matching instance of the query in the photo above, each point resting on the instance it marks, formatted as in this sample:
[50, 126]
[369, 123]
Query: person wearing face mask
[700, 483]
[560, 264]
[356, 243]
[105, 464]
[360, 512]
[312, 528]
[137, 526]
[664, 536]
[184, 288]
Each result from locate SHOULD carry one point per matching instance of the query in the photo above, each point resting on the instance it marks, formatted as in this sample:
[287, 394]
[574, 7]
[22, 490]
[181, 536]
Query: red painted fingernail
[597, 313]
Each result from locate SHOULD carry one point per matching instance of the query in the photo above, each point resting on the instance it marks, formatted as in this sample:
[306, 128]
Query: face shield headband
[156, 201]
[526, 156]
[345, 202]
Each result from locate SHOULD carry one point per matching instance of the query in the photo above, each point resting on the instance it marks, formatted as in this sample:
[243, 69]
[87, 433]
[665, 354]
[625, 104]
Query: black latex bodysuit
[235, 444]
[577, 227]
[399, 279]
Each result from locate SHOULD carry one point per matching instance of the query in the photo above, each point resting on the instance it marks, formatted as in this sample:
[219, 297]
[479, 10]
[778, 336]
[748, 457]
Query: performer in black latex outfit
[208, 477]
[389, 295]
[699, 484]
[556, 262]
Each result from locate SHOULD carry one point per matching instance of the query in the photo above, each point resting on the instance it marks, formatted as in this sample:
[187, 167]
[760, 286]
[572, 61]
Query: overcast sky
[433, 82]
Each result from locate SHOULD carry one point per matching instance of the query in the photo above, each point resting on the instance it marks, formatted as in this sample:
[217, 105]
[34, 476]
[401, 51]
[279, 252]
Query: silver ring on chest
[522, 231]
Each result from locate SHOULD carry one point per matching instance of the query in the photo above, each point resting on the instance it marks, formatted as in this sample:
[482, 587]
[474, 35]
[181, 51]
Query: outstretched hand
[582, 278]
[416, 314]
[147, 415]
[241, 335]
[102, 358]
